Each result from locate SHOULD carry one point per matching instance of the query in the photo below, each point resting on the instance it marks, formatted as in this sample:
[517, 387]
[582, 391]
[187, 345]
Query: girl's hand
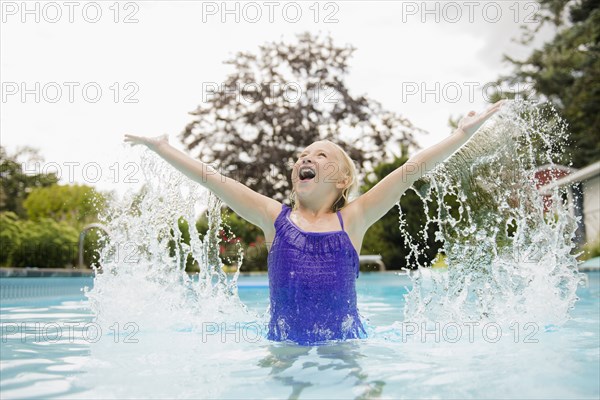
[151, 142]
[471, 122]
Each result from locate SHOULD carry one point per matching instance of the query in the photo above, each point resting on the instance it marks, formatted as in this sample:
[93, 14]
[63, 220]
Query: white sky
[170, 52]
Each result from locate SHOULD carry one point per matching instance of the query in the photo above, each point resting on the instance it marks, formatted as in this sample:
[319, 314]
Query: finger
[499, 104]
[132, 138]
[495, 107]
[490, 110]
[487, 114]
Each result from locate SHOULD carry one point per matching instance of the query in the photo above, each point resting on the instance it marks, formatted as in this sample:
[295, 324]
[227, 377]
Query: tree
[281, 100]
[566, 72]
[10, 236]
[74, 204]
[16, 184]
[236, 234]
[43, 243]
[385, 238]
[241, 233]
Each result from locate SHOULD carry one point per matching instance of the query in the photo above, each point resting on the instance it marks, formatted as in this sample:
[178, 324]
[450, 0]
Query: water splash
[508, 248]
[142, 279]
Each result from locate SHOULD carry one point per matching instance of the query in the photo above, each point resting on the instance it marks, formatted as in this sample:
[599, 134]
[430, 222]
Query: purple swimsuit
[312, 284]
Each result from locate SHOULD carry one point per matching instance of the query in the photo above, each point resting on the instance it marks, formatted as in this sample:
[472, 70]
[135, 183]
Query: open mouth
[306, 174]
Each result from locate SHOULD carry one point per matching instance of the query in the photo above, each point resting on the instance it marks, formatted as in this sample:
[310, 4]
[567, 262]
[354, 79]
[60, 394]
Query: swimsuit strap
[340, 218]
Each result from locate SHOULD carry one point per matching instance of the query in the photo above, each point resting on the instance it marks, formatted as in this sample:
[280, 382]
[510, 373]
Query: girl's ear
[343, 182]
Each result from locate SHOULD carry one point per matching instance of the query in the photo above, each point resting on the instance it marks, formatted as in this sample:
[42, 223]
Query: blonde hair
[350, 192]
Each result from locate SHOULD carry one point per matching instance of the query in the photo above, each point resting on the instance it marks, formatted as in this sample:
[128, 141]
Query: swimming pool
[52, 348]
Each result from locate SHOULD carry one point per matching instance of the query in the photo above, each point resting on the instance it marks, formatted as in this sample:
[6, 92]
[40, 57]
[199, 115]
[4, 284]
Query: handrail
[82, 237]
[372, 258]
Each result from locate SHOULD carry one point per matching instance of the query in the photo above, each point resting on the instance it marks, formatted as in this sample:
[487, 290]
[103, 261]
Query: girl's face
[319, 164]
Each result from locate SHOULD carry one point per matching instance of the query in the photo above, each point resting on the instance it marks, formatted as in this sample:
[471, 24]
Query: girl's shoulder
[352, 215]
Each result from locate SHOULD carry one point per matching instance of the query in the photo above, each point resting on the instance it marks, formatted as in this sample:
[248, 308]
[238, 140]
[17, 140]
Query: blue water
[51, 348]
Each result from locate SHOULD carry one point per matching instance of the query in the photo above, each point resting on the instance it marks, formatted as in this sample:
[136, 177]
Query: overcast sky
[167, 50]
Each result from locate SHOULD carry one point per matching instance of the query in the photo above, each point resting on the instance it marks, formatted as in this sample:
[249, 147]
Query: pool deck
[44, 272]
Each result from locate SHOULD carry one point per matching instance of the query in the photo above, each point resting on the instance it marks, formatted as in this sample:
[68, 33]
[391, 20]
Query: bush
[590, 250]
[385, 238]
[92, 245]
[76, 204]
[45, 243]
[183, 226]
[237, 233]
[251, 239]
[10, 237]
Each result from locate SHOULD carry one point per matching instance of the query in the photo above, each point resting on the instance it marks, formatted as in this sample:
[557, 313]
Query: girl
[314, 246]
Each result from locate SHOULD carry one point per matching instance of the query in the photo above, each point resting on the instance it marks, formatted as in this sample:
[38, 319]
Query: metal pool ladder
[372, 259]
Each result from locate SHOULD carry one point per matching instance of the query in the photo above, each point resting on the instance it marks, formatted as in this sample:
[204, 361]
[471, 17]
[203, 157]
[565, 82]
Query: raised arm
[374, 204]
[254, 207]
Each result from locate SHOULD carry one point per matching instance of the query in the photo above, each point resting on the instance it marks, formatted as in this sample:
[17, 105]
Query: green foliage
[595, 250]
[183, 226]
[92, 244]
[70, 205]
[251, 239]
[590, 250]
[74, 204]
[10, 236]
[56, 215]
[256, 140]
[566, 72]
[15, 184]
[384, 236]
[202, 225]
[238, 234]
[43, 243]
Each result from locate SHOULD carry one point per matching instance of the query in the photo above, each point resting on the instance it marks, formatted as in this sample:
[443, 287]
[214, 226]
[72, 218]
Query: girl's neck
[313, 211]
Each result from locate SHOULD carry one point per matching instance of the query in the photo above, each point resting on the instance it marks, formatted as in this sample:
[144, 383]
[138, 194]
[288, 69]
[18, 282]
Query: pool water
[51, 348]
